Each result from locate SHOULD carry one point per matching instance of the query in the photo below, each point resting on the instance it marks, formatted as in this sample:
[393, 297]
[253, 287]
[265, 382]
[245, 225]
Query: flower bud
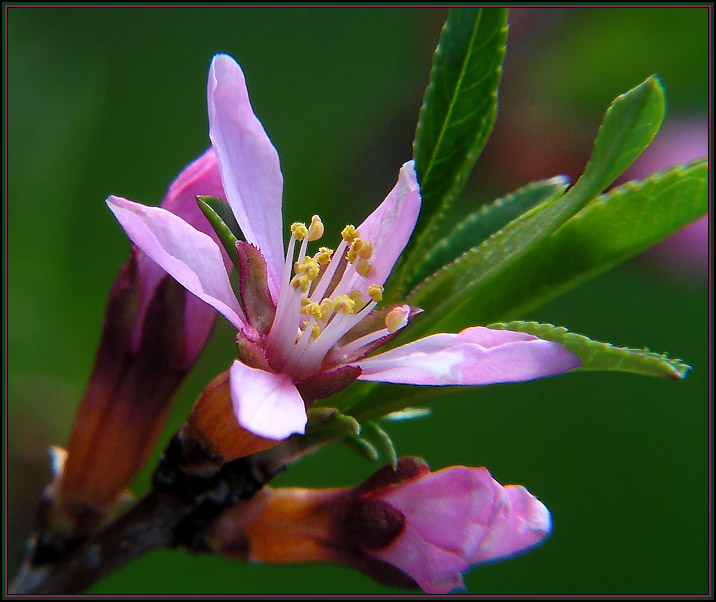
[153, 333]
[405, 528]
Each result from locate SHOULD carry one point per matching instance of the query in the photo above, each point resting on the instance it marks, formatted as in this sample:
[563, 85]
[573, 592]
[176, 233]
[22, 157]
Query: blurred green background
[112, 101]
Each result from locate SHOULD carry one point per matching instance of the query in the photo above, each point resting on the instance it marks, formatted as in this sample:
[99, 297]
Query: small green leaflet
[478, 226]
[629, 126]
[611, 229]
[603, 356]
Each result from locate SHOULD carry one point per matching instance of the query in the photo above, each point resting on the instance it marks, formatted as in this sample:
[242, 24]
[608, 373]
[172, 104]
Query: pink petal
[188, 255]
[265, 403]
[519, 525]
[449, 508]
[435, 570]
[201, 177]
[249, 164]
[475, 356]
[389, 228]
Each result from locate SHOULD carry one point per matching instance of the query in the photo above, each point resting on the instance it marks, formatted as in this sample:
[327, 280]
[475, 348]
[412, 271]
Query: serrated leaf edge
[678, 369]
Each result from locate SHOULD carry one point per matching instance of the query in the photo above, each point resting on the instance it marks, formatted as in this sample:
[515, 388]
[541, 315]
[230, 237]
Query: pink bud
[152, 334]
[455, 518]
[403, 527]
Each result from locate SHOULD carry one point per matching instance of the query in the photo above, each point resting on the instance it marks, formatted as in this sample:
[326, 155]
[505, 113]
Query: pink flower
[307, 322]
[457, 517]
[403, 527]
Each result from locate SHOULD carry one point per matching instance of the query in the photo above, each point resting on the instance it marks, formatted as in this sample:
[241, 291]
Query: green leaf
[629, 125]
[222, 220]
[611, 229]
[490, 218]
[603, 356]
[382, 442]
[459, 107]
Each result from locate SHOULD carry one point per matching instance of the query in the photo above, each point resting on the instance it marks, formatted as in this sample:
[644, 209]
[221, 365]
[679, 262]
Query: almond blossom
[307, 323]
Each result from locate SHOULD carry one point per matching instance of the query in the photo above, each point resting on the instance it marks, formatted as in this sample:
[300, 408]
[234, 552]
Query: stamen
[289, 302]
[303, 340]
[312, 309]
[366, 249]
[350, 234]
[364, 268]
[315, 230]
[320, 324]
[355, 250]
[344, 303]
[375, 291]
[357, 297]
[299, 230]
[330, 271]
[326, 309]
[323, 256]
[283, 297]
[397, 318]
[349, 348]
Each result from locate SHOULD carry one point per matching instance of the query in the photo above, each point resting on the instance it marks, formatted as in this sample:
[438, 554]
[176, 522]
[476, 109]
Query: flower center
[323, 300]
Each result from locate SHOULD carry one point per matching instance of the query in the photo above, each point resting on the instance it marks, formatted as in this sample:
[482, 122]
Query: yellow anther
[308, 267]
[313, 310]
[357, 298]
[364, 268]
[360, 248]
[352, 254]
[326, 309]
[345, 303]
[397, 318]
[375, 291]
[323, 256]
[366, 249]
[315, 230]
[304, 282]
[349, 233]
[315, 331]
[299, 230]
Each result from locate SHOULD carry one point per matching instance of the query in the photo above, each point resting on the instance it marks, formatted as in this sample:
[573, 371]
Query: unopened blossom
[455, 518]
[308, 318]
[200, 177]
[404, 528]
[153, 333]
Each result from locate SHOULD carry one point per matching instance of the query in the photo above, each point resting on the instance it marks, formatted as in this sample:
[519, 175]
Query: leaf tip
[680, 371]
